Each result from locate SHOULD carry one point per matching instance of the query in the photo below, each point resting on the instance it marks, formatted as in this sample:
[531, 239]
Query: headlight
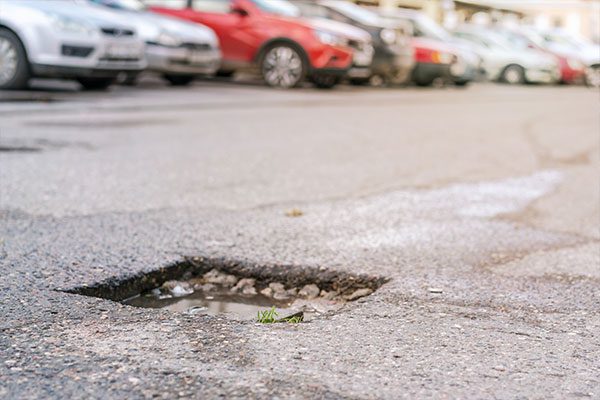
[330, 38]
[389, 36]
[574, 63]
[168, 40]
[70, 25]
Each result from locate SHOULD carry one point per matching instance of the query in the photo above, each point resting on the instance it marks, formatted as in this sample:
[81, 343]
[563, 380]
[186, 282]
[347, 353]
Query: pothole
[239, 290]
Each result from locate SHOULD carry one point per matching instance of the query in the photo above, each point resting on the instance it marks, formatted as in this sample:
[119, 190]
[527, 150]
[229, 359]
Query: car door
[238, 44]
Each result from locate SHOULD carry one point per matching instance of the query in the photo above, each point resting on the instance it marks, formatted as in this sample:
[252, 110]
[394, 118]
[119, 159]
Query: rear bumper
[425, 73]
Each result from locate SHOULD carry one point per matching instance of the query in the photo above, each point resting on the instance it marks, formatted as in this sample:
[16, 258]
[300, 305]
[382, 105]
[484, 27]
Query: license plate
[198, 57]
[122, 51]
[362, 59]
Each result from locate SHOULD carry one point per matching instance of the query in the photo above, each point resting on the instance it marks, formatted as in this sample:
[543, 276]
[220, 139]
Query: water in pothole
[237, 306]
[217, 292]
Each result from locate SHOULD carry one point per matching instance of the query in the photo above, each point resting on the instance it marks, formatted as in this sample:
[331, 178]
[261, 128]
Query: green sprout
[267, 316]
[295, 320]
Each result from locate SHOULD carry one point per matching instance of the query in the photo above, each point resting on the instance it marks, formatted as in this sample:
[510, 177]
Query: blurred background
[323, 43]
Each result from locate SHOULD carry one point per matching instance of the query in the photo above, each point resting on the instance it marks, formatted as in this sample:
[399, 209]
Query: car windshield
[430, 28]
[355, 12]
[278, 7]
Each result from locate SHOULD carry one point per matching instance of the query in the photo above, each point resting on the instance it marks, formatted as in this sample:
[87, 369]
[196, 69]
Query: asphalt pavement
[480, 205]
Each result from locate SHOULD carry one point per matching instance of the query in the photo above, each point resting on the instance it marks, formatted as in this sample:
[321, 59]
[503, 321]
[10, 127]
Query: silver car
[62, 39]
[506, 63]
[178, 50]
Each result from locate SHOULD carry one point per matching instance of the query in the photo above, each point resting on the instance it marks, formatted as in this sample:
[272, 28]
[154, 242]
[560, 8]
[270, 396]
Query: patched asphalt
[488, 195]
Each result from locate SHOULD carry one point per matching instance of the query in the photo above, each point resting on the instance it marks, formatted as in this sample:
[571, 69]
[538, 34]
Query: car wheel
[592, 76]
[513, 74]
[360, 81]
[95, 83]
[179, 80]
[14, 67]
[325, 81]
[130, 80]
[282, 66]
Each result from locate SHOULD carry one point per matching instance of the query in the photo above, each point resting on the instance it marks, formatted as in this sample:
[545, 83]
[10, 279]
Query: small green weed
[267, 316]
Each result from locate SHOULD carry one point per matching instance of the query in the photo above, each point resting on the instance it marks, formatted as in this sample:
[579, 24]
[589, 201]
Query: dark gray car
[393, 60]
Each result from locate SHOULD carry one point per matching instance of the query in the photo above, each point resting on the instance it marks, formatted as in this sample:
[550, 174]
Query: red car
[433, 59]
[269, 35]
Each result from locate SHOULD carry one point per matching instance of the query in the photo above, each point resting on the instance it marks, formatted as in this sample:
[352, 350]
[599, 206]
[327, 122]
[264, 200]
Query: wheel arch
[282, 40]
[18, 36]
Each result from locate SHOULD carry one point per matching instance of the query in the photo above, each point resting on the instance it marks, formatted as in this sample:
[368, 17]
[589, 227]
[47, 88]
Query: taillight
[424, 55]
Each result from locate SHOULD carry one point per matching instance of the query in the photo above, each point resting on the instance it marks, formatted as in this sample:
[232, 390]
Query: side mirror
[239, 10]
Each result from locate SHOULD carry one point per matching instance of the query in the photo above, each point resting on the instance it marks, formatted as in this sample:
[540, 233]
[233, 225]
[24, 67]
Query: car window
[177, 4]
[132, 5]
[212, 6]
[355, 12]
[312, 10]
[278, 7]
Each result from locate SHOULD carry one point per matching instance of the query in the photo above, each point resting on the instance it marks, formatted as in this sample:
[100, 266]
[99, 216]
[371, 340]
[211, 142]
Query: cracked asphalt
[490, 195]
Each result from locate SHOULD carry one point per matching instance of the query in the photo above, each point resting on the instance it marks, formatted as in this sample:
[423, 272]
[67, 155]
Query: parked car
[586, 51]
[62, 39]
[358, 39]
[571, 67]
[465, 64]
[433, 61]
[178, 50]
[269, 35]
[580, 48]
[393, 59]
[506, 63]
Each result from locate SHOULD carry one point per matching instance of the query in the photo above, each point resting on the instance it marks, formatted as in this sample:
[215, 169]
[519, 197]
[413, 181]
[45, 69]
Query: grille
[117, 32]
[76, 51]
[197, 46]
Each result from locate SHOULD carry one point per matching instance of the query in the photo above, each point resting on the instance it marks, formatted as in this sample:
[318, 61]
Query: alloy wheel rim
[8, 61]
[593, 77]
[513, 75]
[282, 67]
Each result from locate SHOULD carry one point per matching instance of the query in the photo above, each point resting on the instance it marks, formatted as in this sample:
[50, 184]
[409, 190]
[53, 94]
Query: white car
[506, 63]
[176, 49]
[61, 39]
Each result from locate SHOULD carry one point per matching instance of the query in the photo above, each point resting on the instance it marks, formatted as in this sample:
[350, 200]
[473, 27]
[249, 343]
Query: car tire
[360, 81]
[14, 68]
[462, 83]
[325, 81]
[179, 80]
[513, 75]
[130, 80]
[282, 65]
[592, 76]
[95, 83]
[224, 73]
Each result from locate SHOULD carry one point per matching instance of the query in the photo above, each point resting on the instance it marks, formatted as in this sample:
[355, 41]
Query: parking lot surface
[480, 205]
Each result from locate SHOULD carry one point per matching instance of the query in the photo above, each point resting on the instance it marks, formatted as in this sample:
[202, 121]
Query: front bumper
[393, 62]
[327, 57]
[104, 56]
[542, 75]
[192, 59]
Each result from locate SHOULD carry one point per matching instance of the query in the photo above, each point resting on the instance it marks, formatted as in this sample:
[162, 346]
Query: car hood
[339, 28]
[76, 10]
[151, 25]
